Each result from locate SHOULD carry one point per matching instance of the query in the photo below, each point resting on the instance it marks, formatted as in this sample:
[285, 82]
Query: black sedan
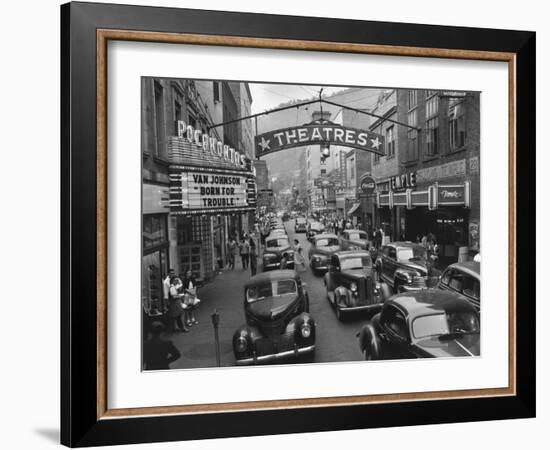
[278, 324]
[277, 251]
[351, 285]
[422, 324]
[322, 248]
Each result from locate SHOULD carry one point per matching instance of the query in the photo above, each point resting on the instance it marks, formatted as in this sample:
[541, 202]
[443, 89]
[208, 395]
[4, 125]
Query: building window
[155, 231]
[432, 136]
[413, 98]
[323, 171]
[351, 167]
[412, 137]
[390, 142]
[457, 127]
[432, 107]
[216, 88]
[432, 125]
[159, 118]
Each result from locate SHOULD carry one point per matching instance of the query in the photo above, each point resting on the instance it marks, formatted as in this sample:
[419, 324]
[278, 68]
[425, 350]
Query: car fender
[402, 276]
[342, 295]
[369, 342]
[294, 325]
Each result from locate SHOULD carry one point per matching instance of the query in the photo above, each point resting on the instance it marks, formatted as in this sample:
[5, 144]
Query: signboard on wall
[203, 191]
[212, 190]
[326, 133]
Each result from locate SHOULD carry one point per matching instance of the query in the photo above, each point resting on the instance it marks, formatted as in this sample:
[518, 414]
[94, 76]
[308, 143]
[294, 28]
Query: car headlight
[353, 287]
[305, 329]
[241, 344]
[316, 258]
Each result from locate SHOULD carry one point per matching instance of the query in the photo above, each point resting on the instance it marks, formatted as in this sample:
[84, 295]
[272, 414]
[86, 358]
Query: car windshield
[408, 253]
[443, 324]
[277, 243]
[356, 236]
[317, 226]
[326, 242]
[300, 220]
[355, 262]
[275, 288]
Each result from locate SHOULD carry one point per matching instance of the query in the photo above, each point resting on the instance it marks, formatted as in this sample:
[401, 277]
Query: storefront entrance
[448, 224]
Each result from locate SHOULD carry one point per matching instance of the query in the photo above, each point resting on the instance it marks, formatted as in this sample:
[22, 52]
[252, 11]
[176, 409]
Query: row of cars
[409, 319]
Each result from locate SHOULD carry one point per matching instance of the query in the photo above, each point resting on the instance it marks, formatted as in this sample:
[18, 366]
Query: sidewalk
[224, 294]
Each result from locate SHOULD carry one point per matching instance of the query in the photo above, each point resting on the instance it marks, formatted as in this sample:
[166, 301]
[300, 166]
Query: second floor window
[413, 98]
[432, 136]
[216, 88]
[390, 142]
[457, 127]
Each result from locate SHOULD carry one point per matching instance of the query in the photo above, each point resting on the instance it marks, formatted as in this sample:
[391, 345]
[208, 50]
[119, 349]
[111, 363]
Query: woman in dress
[175, 308]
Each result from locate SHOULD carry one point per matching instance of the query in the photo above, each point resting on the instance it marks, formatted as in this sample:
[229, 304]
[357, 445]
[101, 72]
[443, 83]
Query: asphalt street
[336, 341]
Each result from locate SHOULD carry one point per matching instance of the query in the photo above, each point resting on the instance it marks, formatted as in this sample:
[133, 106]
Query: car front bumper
[364, 308]
[276, 356]
[277, 265]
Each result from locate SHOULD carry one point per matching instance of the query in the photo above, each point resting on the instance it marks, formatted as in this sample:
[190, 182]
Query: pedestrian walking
[159, 353]
[299, 260]
[175, 307]
[231, 248]
[253, 255]
[244, 249]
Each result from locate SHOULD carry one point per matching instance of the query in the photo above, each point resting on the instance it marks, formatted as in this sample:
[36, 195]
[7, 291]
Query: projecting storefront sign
[281, 139]
[204, 191]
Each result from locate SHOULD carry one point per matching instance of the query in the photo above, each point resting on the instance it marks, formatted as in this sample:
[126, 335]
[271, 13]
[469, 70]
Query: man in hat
[158, 353]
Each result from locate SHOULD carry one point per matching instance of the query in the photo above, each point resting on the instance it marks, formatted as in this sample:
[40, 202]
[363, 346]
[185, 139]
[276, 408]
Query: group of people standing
[246, 249]
[181, 296]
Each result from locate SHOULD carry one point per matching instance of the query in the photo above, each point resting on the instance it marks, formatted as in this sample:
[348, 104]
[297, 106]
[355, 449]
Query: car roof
[325, 236]
[469, 267]
[405, 244]
[429, 301]
[272, 275]
[355, 231]
[277, 236]
[344, 253]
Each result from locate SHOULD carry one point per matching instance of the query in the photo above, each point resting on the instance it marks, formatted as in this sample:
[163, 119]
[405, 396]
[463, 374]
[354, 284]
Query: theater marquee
[202, 191]
[276, 140]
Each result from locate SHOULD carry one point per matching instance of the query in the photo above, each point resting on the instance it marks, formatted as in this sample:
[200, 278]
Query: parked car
[275, 247]
[405, 266]
[464, 279]
[422, 324]
[278, 324]
[354, 240]
[286, 216]
[314, 228]
[323, 246]
[278, 232]
[300, 225]
[351, 285]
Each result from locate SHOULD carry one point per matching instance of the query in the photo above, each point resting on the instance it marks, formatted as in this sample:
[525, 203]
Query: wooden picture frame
[85, 416]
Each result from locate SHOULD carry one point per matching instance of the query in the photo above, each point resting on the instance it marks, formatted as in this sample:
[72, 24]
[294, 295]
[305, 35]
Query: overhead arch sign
[276, 140]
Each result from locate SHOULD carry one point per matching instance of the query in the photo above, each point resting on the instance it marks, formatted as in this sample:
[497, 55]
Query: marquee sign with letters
[276, 140]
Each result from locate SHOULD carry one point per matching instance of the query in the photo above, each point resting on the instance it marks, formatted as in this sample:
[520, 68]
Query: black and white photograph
[295, 223]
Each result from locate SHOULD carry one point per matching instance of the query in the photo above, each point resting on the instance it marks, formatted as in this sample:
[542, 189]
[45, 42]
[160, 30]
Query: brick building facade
[428, 180]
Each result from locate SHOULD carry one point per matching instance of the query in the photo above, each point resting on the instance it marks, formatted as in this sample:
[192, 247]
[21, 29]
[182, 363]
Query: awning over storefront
[354, 209]
[434, 196]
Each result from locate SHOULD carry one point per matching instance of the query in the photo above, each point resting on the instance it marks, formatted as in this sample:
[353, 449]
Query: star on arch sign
[265, 144]
[376, 143]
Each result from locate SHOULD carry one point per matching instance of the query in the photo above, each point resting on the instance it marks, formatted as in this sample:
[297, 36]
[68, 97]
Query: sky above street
[269, 96]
